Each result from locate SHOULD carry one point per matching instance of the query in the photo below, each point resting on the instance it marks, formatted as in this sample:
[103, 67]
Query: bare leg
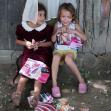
[16, 96]
[33, 100]
[21, 84]
[55, 67]
[37, 88]
[69, 61]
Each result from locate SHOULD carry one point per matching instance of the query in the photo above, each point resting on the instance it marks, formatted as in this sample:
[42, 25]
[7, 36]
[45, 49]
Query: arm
[25, 43]
[53, 38]
[55, 32]
[20, 42]
[45, 44]
[80, 33]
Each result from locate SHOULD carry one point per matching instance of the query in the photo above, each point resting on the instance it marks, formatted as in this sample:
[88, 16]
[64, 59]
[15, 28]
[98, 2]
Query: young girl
[36, 39]
[67, 37]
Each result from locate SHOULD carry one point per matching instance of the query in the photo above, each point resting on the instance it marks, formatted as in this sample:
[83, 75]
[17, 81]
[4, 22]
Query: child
[67, 37]
[36, 39]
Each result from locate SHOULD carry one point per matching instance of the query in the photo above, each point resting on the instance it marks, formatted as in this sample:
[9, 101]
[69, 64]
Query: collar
[28, 28]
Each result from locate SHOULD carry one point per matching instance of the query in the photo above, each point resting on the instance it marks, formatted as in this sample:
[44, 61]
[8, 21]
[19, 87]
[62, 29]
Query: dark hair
[69, 7]
[41, 7]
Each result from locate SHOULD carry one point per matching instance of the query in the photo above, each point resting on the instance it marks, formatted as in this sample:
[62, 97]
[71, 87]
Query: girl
[36, 39]
[67, 37]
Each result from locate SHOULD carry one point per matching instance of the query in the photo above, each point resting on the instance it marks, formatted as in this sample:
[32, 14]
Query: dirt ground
[98, 78]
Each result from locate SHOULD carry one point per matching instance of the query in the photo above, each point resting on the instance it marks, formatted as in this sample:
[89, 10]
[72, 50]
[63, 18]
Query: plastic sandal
[82, 88]
[56, 92]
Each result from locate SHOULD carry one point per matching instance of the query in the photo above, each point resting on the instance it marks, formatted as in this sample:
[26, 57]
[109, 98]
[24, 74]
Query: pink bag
[44, 75]
[34, 69]
[75, 43]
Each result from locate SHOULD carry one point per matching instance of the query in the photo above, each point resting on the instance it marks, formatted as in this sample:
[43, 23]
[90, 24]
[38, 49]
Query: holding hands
[32, 45]
[72, 31]
[66, 30]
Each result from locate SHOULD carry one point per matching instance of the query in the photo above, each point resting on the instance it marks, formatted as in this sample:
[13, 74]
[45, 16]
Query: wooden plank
[88, 25]
[81, 14]
[3, 25]
[98, 40]
[108, 40]
[101, 36]
[14, 17]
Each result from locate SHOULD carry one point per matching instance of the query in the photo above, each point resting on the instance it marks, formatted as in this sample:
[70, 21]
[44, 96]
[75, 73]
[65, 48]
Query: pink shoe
[56, 92]
[82, 88]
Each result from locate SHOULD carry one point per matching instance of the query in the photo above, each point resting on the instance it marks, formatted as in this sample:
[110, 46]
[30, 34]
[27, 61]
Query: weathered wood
[99, 43]
[3, 25]
[108, 39]
[10, 16]
[88, 24]
[95, 21]
[95, 26]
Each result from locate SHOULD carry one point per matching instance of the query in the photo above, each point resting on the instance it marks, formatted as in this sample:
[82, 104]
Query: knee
[23, 79]
[37, 90]
[56, 58]
[68, 60]
[37, 86]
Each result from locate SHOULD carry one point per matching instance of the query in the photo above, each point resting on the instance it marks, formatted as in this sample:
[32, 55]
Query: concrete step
[8, 56]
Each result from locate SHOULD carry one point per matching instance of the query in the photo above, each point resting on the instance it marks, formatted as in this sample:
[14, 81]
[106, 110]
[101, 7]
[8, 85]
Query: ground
[98, 97]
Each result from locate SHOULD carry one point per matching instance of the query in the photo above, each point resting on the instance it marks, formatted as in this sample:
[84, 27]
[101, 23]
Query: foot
[82, 88]
[84, 109]
[56, 92]
[16, 97]
[33, 101]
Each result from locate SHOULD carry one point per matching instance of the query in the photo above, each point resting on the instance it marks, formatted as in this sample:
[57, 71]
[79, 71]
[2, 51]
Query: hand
[36, 45]
[64, 29]
[59, 30]
[65, 37]
[28, 44]
[33, 42]
[72, 31]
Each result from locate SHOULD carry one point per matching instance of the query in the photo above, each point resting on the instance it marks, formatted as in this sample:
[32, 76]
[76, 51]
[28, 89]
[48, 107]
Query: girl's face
[41, 17]
[65, 17]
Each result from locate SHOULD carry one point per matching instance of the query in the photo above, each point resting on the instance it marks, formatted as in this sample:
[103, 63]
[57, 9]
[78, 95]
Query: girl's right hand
[29, 44]
[59, 30]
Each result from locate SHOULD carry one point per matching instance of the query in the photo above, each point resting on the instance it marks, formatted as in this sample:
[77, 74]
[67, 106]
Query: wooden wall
[10, 16]
[95, 18]
[96, 25]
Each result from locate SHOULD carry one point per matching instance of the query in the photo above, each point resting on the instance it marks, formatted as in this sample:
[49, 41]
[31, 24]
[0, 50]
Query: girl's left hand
[72, 31]
[36, 45]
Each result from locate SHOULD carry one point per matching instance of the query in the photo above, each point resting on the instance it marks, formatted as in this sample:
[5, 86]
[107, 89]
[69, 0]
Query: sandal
[56, 92]
[16, 97]
[82, 88]
[33, 101]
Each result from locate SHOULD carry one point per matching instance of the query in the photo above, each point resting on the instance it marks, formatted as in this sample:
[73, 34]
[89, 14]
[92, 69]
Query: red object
[44, 107]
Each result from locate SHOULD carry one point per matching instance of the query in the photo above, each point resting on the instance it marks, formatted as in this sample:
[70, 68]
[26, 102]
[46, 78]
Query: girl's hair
[41, 7]
[69, 7]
